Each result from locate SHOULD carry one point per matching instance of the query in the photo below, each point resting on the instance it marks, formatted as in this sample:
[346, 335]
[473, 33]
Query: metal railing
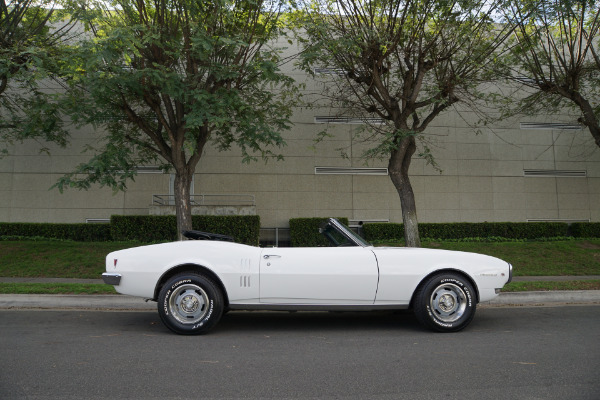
[207, 199]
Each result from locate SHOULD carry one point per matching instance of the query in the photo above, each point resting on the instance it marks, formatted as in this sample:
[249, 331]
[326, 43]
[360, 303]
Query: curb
[549, 297]
[130, 303]
[75, 302]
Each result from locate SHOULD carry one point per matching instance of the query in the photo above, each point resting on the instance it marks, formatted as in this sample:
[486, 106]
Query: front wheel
[190, 304]
[445, 302]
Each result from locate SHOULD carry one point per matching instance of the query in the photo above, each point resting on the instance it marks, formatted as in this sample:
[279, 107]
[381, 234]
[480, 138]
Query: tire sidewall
[428, 317]
[209, 320]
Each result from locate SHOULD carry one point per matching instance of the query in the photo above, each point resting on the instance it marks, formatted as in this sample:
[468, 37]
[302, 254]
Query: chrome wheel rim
[448, 302]
[188, 304]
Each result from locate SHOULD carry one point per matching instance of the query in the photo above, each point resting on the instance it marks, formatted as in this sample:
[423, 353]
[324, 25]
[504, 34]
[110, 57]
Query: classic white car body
[254, 277]
[194, 282]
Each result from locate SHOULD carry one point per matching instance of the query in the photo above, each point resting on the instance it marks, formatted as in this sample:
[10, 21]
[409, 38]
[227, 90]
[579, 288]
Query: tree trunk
[398, 166]
[595, 130]
[589, 117]
[183, 207]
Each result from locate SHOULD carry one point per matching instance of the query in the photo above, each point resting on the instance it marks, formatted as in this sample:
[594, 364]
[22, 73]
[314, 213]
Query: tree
[556, 55]
[404, 62]
[32, 34]
[165, 77]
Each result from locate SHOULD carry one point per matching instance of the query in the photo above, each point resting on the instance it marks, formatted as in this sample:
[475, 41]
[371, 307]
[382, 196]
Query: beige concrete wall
[482, 177]
[488, 188]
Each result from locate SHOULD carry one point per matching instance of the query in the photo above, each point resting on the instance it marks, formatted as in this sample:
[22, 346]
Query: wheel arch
[195, 268]
[441, 271]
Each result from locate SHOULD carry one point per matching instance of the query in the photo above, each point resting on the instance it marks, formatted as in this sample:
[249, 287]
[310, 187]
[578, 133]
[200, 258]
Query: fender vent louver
[245, 281]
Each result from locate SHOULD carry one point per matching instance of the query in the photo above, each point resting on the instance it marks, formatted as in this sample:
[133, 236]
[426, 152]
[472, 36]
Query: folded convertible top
[197, 235]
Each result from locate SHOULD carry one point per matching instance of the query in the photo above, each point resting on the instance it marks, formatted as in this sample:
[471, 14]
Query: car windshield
[339, 234]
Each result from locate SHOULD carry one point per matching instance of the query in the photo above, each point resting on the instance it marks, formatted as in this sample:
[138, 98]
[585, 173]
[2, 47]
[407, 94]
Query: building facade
[527, 169]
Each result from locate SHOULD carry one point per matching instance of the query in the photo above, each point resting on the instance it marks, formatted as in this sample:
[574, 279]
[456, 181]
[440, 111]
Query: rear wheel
[445, 302]
[190, 304]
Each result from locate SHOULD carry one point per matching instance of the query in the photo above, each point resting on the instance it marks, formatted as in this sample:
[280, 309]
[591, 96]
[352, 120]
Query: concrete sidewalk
[122, 302]
[74, 302]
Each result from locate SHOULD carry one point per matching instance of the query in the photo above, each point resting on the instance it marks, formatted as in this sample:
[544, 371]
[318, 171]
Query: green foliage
[516, 230]
[244, 229]
[444, 231]
[304, 232]
[29, 48]
[142, 228]
[163, 81]
[77, 232]
[398, 65]
[383, 231]
[404, 62]
[585, 229]
[555, 47]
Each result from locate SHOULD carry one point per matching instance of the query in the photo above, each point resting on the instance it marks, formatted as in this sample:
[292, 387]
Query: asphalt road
[506, 353]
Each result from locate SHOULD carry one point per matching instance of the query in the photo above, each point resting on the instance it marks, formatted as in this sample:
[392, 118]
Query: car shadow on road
[282, 321]
[250, 321]
[303, 321]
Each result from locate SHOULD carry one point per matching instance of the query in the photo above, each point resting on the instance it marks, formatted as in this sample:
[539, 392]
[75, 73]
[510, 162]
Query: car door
[319, 275]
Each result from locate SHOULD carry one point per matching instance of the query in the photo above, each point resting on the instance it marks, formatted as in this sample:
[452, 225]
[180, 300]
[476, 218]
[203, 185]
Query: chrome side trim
[111, 278]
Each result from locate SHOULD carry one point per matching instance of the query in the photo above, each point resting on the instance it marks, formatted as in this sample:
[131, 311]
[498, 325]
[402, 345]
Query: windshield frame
[352, 238]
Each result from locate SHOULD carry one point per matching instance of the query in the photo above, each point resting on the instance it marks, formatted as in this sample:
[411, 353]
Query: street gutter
[130, 303]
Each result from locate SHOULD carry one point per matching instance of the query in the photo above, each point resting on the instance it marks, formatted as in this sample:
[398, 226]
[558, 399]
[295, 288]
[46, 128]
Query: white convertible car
[196, 281]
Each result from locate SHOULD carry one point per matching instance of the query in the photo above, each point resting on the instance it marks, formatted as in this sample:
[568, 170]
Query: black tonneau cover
[197, 235]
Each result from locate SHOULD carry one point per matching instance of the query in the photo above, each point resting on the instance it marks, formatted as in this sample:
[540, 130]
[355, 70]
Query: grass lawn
[56, 259]
[65, 259]
[545, 286]
[55, 288]
[568, 257]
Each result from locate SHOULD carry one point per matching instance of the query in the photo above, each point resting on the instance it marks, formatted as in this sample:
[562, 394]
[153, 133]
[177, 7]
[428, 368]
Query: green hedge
[152, 228]
[585, 229]
[144, 228]
[509, 230]
[304, 232]
[77, 232]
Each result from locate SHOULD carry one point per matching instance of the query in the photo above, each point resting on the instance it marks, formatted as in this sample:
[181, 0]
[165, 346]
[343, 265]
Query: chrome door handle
[268, 256]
